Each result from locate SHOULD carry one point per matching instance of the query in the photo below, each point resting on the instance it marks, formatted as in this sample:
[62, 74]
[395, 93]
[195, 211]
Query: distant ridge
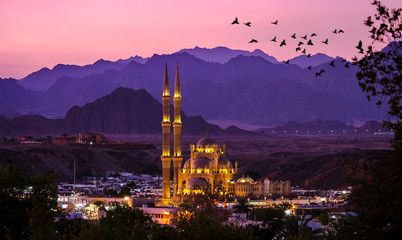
[136, 58]
[315, 60]
[44, 78]
[224, 54]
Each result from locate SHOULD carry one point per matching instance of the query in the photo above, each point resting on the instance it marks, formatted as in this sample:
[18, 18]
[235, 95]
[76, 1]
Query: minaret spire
[177, 83]
[177, 158]
[166, 82]
[166, 126]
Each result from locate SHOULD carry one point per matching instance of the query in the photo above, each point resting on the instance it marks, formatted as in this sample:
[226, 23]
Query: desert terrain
[308, 161]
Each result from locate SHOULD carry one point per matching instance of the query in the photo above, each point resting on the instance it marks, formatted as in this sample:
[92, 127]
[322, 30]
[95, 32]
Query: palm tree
[242, 206]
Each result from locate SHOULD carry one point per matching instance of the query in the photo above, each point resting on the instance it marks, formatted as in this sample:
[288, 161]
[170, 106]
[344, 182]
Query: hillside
[54, 157]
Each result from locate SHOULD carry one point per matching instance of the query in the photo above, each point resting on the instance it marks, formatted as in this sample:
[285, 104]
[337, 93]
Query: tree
[124, 222]
[380, 71]
[273, 224]
[165, 232]
[323, 218]
[199, 224]
[110, 192]
[298, 230]
[132, 185]
[376, 199]
[28, 205]
[125, 192]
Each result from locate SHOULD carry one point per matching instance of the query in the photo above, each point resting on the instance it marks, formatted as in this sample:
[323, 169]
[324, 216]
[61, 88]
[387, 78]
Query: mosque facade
[207, 169]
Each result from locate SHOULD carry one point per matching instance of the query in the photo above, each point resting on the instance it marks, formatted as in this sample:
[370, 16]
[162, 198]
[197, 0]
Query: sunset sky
[43, 33]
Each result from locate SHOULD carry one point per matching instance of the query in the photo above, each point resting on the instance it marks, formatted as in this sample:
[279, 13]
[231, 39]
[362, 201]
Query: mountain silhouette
[315, 60]
[124, 111]
[246, 89]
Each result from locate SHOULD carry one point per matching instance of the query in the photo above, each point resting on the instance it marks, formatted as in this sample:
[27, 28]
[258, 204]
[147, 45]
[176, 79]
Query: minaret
[166, 158]
[177, 158]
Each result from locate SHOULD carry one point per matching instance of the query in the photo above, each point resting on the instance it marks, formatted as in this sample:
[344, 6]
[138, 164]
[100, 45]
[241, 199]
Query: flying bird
[325, 42]
[275, 23]
[340, 31]
[273, 39]
[313, 35]
[382, 26]
[287, 62]
[347, 65]
[304, 37]
[343, 60]
[308, 55]
[309, 67]
[298, 49]
[322, 71]
[283, 43]
[304, 51]
[236, 21]
[300, 43]
[361, 51]
[359, 45]
[368, 22]
[335, 31]
[293, 36]
[253, 41]
[332, 63]
[317, 74]
[248, 24]
[310, 42]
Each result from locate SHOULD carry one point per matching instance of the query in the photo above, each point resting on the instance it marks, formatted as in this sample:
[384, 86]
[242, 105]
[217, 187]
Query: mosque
[207, 169]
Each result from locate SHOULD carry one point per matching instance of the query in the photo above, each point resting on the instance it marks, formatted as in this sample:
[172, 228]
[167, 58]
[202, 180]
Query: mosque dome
[197, 183]
[201, 162]
[205, 142]
[223, 163]
[245, 179]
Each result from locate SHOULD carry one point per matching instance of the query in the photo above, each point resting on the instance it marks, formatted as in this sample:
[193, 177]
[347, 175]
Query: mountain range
[247, 89]
[124, 111]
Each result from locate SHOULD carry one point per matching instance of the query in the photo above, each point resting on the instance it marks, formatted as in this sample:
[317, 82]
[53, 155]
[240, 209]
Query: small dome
[201, 162]
[197, 183]
[245, 179]
[187, 164]
[223, 163]
[205, 142]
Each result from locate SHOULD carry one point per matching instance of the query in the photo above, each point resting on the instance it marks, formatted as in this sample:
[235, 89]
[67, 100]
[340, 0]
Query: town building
[90, 138]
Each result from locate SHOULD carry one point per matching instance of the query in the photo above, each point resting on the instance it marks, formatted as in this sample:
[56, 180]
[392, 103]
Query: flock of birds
[307, 40]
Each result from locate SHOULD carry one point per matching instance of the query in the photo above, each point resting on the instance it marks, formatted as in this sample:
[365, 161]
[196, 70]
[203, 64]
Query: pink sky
[43, 33]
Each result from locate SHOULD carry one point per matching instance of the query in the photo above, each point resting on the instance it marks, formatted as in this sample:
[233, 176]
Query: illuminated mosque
[207, 168]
